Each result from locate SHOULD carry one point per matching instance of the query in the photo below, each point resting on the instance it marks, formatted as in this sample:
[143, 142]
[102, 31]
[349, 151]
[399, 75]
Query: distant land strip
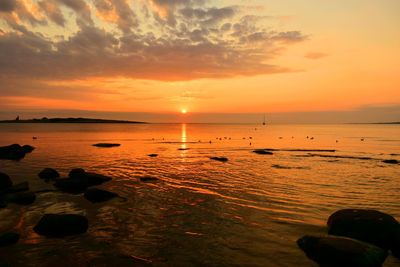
[69, 120]
[393, 122]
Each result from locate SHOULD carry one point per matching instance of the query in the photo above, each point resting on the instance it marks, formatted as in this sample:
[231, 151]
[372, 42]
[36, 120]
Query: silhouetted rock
[391, 161]
[341, 252]
[262, 152]
[152, 155]
[5, 181]
[71, 185]
[8, 238]
[396, 243]
[221, 159]
[106, 145]
[95, 195]
[59, 225]
[148, 179]
[15, 151]
[49, 174]
[370, 226]
[24, 186]
[76, 173]
[183, 148]
[21, 198]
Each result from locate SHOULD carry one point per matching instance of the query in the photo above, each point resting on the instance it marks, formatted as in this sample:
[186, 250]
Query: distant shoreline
[395, 122]
[71, 120]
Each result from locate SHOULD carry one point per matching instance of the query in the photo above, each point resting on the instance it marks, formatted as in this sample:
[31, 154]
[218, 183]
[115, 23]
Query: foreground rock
[15, 151]
[79, 180]
[8, 238]
[49, 174]
[262, 152]
[24, 186]
[106, 145]
[59, 225]
[5, 181]
[370, 226]
[221, 159]
[96, 195]
[341, 252]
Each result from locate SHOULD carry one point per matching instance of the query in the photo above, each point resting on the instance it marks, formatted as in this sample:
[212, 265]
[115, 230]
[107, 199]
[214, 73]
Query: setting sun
[184, 111]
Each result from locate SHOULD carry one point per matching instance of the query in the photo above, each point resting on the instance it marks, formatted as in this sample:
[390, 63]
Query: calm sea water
[247, 212]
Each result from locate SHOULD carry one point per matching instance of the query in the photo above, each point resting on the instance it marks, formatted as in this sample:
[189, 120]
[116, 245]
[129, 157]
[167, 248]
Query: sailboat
[264, 123]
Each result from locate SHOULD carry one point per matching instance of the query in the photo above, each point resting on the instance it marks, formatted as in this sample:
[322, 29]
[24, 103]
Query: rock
[49, 174]
[8, 238]
[24, 186]
[262, 152]
[71, 185]
[21, 198]
[183, 148]
[396, 244]
[221, 159]
[391, 161]
[370, 226]
[27, 148]
[59, 225]
[5, 181]
[95, 195]
[15, 151]
[106, 145]
[148, 179]
[152, 155]
[341, 252]
[76, 173]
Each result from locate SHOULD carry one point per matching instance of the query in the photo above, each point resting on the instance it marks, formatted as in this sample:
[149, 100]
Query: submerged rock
[15, 151]
[152, 155]
[5, 181]
[95, 195]
[24, 186]
[391, 161]
[370, 226]
[71, 185]
[59, 225]
[21, 198]
[106, 145]
[8, 238]
[76, 173]
[262, 152]
[49, 174]
[341, 252]
[148, 179]
[221, 159]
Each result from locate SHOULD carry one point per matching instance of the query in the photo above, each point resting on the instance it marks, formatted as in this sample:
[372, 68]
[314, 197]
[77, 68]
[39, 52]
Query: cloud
[7, 5]
[315, 55]
[192, 41]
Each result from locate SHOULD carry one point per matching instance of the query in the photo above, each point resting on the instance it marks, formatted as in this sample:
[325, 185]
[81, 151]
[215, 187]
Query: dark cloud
[8, 5]
[53, 11]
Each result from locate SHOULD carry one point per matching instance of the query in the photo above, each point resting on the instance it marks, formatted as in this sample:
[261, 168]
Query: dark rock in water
[59, 225]
[27, 148]
[8, 238]
[148, 179]
[21, 198]
[49, 174]
[5, 181]
[15, 151]
[71, 185]
[262, 152]
[76, 173]
[370, 226]
[183, 148]
[95, 195]
[396, 244]
[106, 145]
[333, 251]
[2, 204]
[391, 161]
[95, 178]
[221, 159]
[152, 155]
[24, 186]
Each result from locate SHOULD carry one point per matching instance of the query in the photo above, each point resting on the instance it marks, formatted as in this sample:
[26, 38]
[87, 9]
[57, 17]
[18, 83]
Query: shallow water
[247, 212]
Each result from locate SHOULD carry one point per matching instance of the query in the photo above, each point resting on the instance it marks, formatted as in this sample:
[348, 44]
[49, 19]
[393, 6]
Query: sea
[248, 211]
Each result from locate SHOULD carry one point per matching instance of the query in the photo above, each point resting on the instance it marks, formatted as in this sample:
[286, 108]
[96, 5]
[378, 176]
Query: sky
[221, 61]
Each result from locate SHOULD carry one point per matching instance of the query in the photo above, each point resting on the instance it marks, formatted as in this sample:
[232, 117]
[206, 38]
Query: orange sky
[158, 56]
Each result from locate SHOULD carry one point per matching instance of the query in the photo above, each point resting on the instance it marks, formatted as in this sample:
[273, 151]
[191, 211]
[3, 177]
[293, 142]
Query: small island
[69, 120]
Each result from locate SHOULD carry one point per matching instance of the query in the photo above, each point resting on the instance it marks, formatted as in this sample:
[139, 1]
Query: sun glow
[184, 111]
